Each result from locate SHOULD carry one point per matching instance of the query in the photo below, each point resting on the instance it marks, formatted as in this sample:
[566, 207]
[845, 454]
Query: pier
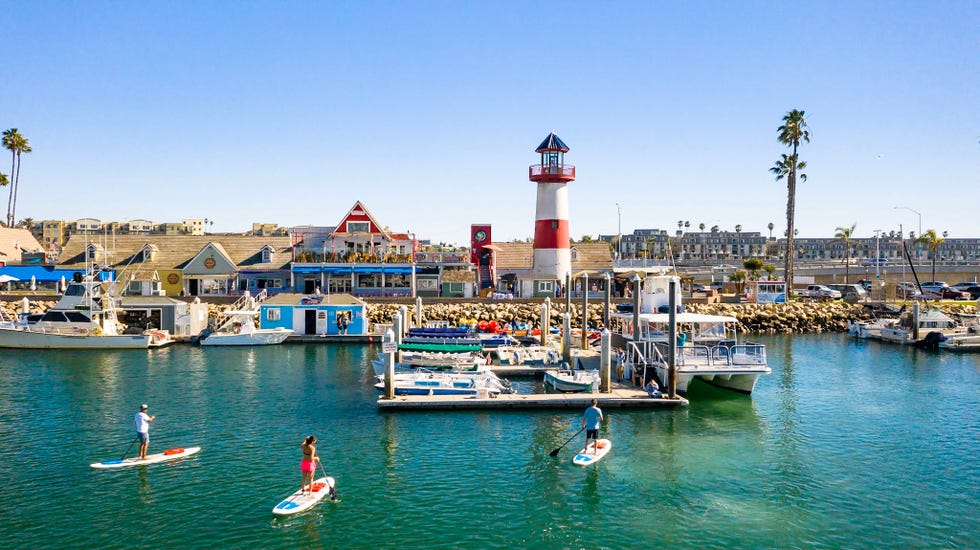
[621, 397]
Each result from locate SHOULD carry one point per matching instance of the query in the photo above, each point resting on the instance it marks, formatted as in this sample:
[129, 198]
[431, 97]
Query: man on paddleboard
[142, 421]
[590, 423]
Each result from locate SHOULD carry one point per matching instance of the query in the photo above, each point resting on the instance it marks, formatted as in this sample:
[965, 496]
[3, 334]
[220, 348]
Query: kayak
[591, 455]
[299, 501]
[165, 456]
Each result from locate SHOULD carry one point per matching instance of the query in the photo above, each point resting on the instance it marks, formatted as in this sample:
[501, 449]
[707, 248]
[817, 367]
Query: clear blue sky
[429, 112]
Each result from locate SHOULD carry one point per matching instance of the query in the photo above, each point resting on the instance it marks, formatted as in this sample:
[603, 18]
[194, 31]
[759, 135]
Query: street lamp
[919, 214]
[619, 239]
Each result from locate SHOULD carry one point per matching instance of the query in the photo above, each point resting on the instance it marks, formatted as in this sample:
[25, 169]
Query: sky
[429, 112]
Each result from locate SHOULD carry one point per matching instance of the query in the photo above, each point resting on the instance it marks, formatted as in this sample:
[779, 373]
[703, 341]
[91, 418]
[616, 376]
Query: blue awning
[44, 273]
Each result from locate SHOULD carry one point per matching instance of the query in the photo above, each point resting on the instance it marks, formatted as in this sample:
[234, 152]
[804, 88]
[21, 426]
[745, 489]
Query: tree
[791, 133]
[586, 238]
[844, 235]
[932, 241]
[17, 144]
[738, 239]
[4, 180]
[738, 277]
[26, 223]
[753, 265]
[769, 269]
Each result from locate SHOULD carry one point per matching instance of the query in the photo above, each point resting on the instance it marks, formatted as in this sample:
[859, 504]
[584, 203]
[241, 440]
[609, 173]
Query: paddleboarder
[308, 465]
[590, 422]
[142, 421]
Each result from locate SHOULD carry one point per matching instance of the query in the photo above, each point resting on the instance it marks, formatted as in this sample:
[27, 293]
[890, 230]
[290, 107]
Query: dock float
[621, 398]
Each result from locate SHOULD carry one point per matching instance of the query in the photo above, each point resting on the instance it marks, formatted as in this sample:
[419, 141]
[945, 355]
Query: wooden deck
[622, 397]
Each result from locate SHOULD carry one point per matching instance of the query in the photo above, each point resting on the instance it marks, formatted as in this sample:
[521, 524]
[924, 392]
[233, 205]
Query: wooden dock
[621, 397]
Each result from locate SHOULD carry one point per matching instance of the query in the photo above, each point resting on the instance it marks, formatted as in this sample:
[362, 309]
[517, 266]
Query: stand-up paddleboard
[298, 501]
[587, 456]
[165, 456]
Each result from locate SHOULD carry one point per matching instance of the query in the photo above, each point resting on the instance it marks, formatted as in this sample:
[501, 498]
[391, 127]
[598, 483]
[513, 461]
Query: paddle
[555, 452]
[135, 439]
[333, 494]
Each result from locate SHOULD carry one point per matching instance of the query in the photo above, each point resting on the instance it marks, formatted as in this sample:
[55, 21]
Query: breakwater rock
[796, 317]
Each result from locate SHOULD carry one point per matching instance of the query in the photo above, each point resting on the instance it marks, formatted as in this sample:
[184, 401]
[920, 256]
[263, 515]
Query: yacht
[707, 347]
[84, 318]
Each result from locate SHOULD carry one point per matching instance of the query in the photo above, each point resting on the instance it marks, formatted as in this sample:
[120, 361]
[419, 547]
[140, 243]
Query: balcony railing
[557, 171]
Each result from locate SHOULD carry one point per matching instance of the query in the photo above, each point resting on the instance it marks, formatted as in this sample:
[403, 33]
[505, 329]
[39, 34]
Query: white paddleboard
[297, 502]
[587, 456]
[165, 456]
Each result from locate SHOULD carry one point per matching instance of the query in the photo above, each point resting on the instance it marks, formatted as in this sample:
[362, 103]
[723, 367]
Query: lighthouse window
[554, 224]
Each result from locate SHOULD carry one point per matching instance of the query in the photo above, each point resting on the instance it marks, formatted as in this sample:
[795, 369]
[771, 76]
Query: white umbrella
[33, 283]
[64, 284]
[8, 279]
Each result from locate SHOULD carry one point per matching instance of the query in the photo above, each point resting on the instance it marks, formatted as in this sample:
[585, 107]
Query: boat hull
[262, 337]
[29, 339]
[580, 382]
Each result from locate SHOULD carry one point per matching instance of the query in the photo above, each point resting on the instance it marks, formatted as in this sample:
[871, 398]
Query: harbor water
[845, 445]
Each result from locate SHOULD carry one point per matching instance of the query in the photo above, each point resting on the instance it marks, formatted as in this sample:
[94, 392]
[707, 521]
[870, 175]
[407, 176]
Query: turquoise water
[844, 445]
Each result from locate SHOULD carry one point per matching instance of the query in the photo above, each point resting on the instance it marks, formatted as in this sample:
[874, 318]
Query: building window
[358, 227]
[272, 314]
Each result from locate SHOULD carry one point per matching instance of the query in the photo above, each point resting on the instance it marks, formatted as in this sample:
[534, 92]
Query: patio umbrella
[8, 279]
[33, 283]
[64, 284]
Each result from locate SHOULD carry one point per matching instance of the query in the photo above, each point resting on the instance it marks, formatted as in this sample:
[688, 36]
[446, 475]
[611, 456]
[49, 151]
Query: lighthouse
[552, 255]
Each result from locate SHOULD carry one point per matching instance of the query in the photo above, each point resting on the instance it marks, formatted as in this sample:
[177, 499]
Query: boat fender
[601, 444]
[517, 358]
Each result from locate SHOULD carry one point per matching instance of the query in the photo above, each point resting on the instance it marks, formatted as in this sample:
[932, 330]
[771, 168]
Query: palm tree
[4, 180]
[791, 133]
[17, 144]
[931, 240]
[701, 227]
[738, 237]
[844, 235]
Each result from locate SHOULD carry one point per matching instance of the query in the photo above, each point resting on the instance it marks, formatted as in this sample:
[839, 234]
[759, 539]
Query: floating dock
[621, 397]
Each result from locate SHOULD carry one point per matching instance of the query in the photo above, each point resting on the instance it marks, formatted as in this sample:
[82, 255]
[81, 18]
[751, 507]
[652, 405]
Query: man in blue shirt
[590, 423]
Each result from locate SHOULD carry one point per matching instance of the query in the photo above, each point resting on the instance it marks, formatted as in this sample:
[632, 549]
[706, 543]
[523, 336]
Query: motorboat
[466, 362]
[84, 318]
[534, 356]
[707, 346]
[427, 382]
[240, 330]
[237, 326]
[961, 342]
[572, 381]
[916, 325]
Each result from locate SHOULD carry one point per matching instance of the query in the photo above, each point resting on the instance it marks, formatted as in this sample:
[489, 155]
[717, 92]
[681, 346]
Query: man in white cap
[143, 429]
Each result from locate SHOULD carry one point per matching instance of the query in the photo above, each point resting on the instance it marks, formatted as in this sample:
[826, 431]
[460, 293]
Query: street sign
[389, 347]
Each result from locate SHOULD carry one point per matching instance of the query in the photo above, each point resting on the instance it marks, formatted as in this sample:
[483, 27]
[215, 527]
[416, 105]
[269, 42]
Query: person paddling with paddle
[590, 423]
[142, 421]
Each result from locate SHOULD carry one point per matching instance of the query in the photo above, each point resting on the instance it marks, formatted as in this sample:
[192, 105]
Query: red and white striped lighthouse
[552, 255]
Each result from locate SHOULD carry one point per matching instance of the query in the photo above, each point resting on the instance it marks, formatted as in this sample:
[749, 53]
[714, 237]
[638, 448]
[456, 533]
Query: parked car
[819, 292]
[868, 262]
[950, 293]
[973, 287]
[857, 292]
[934, 286]
[907, 288]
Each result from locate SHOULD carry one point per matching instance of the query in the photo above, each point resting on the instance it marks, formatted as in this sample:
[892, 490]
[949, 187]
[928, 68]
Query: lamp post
[918, 249]
[619, 228]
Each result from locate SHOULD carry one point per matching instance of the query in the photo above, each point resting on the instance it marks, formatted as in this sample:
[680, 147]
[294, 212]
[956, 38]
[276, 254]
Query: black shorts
[592, 434]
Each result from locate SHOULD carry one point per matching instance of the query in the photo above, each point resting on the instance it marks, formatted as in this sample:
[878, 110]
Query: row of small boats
[924, 326]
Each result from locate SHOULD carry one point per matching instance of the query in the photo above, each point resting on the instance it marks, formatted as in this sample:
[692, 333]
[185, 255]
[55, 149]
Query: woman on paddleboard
[308, 466]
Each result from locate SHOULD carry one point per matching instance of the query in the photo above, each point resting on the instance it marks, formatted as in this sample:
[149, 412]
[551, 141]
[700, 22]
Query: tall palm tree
[17, 144]
[791, 133]
[4, 180]
[844, 235]
[932, 241]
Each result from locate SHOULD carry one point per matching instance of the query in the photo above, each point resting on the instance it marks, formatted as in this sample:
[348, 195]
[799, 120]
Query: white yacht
[707, 347]
[84, 318]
